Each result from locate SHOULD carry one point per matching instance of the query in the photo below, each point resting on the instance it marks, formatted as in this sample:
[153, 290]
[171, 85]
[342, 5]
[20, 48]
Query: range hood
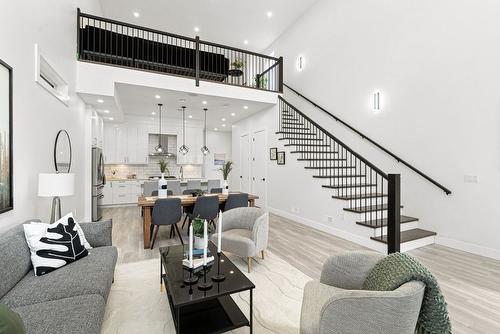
[168, 142]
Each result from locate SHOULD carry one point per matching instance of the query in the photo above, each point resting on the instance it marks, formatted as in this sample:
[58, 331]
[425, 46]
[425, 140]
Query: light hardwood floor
[471, 283]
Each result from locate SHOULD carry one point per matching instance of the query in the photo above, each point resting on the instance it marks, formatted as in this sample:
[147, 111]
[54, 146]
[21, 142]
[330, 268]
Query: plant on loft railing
[111, 42]
[351, 176]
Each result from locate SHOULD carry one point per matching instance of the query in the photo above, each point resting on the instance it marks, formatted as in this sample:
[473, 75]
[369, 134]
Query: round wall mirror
[62, 152]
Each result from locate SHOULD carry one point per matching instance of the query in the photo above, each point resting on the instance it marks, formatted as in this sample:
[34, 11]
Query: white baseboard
[468, 247]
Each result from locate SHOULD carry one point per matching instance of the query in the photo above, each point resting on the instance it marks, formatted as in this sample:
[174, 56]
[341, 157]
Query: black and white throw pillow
[53, 246]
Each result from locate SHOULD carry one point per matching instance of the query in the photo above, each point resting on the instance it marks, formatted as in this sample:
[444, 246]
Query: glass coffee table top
[182, 294]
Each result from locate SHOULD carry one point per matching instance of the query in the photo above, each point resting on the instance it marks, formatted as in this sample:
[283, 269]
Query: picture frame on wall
[281, 158]
[6, 181]
[273, 153]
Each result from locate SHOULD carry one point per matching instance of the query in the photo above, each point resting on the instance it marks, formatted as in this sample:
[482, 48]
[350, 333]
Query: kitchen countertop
[148, 179]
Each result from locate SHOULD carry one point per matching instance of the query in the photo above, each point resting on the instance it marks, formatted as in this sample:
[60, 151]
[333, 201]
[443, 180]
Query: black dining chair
[155, 193]
[166, 211]
[205, 207]
[191, 191]
[236, 201]
[216, 191]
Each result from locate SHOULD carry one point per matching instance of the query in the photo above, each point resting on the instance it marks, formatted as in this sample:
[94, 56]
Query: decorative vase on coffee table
[198, 242]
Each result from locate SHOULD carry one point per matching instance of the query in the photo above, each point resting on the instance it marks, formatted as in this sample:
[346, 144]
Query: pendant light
[159, 148]
[204, 148]
[183, 149]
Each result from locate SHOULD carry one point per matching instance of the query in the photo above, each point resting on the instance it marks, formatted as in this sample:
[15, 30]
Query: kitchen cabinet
[97, 131]
[107, 191]
[125, 144]
[120, 192]
[194, 141]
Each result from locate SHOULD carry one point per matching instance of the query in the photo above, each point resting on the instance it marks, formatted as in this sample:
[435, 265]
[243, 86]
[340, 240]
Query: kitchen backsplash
[153, 169]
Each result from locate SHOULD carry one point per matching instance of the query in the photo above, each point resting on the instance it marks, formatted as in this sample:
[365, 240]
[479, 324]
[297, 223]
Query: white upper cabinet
[125, 144]
[97, 131]
[194, 141]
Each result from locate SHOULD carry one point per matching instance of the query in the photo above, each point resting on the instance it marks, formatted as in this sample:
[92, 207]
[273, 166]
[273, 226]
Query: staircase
[367, 192]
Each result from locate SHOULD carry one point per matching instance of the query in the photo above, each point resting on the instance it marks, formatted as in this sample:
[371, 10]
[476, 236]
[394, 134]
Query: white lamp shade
[51, 185]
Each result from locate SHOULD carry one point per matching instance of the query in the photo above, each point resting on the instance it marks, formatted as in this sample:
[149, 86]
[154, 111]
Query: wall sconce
[300, 63]
[376, 101]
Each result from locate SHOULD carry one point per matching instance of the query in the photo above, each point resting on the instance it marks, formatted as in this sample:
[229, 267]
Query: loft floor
[471, 283]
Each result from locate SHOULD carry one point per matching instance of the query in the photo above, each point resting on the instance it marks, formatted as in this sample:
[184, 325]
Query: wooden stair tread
[355, 185]
[368, 208]
[337, 176]
[383, 222]
[314, 152]
[409, 235]
[359, 196]
[326, 167]
[316, 145]
[306, 139]
[295, 133]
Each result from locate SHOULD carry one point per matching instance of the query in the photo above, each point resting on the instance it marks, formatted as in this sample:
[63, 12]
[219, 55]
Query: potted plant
[226, 168]
[162, 183]
[236, 68]
[163, 167]
[198, 227]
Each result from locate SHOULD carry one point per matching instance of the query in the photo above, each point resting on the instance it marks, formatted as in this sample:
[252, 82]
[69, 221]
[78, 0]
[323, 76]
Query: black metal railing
[112, 42]
[398, 159]
[367, 189]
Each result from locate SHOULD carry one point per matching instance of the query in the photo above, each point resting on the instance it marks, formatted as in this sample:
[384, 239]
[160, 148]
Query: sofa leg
[262, 254]
[249, 259]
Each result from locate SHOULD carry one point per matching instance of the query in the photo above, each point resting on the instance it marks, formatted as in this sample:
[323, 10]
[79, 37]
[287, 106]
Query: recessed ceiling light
[245, 107]
[196, 29]
[136, 14]
[157, 96]
[223, 119]
[204, 102]
[190, 116]
[223, 125]
[153, 113]
[100, 101]
[106, 111]
[215, 129]
[111, 118]
[269, 14]
[233, 114]
[245, 41]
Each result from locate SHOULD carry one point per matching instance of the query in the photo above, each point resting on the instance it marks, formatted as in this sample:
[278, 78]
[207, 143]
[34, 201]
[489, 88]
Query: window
[48, 78]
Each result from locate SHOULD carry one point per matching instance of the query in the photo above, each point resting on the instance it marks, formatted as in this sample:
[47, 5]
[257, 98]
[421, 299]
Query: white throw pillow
[64, 221]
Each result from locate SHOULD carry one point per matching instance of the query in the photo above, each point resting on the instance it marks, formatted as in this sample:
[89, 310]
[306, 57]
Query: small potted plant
[198, 227]
[237, 67]
[163, 167]
[162, 183]
[227, 167]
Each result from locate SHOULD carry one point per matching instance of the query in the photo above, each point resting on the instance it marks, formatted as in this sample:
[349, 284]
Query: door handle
[263, 179]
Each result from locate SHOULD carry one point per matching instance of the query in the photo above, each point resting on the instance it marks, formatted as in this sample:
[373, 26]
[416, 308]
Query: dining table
[147, 203]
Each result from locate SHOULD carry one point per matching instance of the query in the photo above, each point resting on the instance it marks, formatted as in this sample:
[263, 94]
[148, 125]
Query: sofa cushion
[15, 255]
[75, 315]
[91, 275]
[237, 241]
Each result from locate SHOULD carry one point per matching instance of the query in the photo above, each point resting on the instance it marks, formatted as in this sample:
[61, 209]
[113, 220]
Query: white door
[245, 163]
[259, 170]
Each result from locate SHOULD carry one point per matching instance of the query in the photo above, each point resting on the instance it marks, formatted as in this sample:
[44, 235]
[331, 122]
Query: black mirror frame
[70, 151]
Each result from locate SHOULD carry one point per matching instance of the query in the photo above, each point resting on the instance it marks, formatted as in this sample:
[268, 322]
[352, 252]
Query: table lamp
[56, 185]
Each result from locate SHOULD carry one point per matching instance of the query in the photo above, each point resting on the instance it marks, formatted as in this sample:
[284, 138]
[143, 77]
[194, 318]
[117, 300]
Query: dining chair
[174, 186]
[206, 208]
[211, 184]
[236, 200]
[216, 191]
[191, 191]
[166, 211]
[149, 187]
[193, 184]
[155, 193]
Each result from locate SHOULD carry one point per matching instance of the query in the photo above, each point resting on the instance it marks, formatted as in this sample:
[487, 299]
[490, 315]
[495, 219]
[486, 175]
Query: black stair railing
[116, 43]
[398, 159]
[367, 189]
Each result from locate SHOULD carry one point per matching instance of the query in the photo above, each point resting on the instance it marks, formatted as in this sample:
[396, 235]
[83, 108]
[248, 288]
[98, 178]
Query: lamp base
[56, 205]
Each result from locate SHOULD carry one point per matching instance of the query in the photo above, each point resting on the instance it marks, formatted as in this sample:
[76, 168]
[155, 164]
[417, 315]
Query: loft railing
[398, 159]
[111, 42]
[354, 178]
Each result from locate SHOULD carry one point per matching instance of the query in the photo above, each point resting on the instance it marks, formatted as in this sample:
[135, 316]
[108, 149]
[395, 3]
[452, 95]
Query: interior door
[245, 163]
[259, 170]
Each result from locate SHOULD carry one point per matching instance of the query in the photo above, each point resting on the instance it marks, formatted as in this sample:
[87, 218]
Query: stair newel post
[280, 76]
[197, 68]
[393, 213]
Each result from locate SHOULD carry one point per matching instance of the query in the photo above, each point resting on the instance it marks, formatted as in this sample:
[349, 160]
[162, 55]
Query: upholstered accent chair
[336, 303]
[244, 232]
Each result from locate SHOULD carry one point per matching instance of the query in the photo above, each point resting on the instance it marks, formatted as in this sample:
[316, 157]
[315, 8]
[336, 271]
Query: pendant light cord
[159, 137]
[205, 129]
[183, 126]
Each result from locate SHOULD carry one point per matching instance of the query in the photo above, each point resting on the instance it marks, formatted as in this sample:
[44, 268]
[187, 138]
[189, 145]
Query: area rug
[136, 305]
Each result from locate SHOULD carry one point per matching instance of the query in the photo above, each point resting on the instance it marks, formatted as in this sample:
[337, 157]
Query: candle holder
[191, 280]
[205, 285]
[219, 277]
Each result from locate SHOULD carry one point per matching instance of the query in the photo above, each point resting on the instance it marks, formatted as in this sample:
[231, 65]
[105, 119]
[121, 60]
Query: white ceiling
[133, 100]
[228, 22]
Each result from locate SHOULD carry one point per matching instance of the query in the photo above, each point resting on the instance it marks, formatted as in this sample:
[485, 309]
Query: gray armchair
[245, 232]
[336, 303]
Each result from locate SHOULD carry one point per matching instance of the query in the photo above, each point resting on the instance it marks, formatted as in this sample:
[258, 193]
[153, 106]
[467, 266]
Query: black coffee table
[204, 311]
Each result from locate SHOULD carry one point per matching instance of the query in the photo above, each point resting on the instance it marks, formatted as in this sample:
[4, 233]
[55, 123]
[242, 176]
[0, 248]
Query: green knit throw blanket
[397, 269]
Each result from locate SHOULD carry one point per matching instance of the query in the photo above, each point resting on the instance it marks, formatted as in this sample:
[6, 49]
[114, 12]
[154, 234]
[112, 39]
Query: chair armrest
[240, 218]
[98, 234]
[349, 270]
[260, 232]
[327, 309]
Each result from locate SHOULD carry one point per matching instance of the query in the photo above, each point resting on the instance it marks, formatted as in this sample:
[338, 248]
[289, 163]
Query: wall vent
[48, 78]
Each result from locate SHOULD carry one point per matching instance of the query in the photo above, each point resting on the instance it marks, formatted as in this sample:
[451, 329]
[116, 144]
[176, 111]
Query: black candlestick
[205, 285]
[219, 277]
[191, 280]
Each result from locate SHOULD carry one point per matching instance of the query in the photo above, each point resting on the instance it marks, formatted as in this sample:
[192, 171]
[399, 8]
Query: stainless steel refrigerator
[98, 182]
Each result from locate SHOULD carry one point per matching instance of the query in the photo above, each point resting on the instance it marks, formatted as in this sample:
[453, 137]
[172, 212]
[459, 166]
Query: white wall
[217, 142]
[37, 115]
[436, 65]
